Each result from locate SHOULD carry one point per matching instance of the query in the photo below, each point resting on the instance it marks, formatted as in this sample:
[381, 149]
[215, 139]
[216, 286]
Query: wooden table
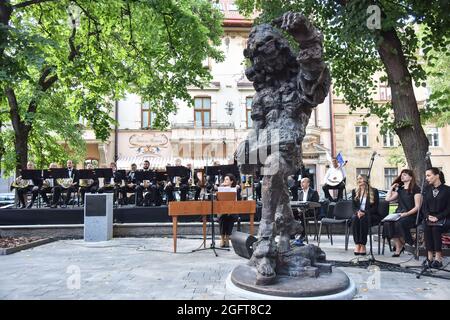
[204, 208]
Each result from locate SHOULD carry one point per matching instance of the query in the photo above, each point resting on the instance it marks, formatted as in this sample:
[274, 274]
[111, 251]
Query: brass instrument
[86, 182]
[247, 182]
[46, 183]
[146, 183]
[20, 183]
[192, 179]
[65, 182]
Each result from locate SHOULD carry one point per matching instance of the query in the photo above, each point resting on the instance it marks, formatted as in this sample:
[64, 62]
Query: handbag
[439, 223]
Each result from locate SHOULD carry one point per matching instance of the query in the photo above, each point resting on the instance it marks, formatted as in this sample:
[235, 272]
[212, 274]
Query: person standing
[226, 221]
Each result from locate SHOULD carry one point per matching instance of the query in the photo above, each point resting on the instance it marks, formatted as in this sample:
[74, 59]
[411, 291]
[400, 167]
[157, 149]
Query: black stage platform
[75, 215]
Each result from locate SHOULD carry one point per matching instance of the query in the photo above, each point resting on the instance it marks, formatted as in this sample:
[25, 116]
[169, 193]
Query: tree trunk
[406, 113]
[21, 131]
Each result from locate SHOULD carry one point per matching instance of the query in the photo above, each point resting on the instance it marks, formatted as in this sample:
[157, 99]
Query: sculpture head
[270, 55]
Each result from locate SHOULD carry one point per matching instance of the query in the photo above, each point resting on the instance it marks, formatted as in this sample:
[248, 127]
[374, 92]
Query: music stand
[31, 174]
[216, 171]
[86, 174]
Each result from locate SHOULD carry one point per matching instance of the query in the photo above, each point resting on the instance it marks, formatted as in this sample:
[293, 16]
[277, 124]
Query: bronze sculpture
[288, 87]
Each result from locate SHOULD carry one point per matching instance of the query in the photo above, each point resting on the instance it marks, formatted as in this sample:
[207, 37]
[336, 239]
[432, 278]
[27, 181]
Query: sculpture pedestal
[332, 286]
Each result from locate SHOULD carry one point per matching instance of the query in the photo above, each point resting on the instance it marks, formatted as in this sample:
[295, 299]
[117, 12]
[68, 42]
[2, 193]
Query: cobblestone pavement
[146, 268]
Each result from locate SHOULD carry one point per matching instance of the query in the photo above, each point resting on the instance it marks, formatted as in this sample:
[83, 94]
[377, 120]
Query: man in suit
[130, 184]
[33, 187]
[73, 187]
[306, 194]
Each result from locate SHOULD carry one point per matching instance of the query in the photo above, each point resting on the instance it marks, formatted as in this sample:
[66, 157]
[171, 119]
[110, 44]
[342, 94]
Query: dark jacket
[312, 195]
[438, 206]
[371, 208]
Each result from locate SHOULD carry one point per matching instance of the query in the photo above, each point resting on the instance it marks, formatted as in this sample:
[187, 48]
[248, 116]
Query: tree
[437, 110]
[357, 47]
[66, 60]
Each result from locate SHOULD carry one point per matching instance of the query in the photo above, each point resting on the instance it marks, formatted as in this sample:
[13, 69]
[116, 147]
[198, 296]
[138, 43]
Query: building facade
[219, 121]
[357, 138]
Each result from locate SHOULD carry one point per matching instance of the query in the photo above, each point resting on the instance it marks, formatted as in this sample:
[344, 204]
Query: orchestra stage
[75, 215]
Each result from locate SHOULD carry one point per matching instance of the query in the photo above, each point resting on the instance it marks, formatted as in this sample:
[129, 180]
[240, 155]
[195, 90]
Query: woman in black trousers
[436, 210]
[365, 203]
[226, 221]
[405, 190]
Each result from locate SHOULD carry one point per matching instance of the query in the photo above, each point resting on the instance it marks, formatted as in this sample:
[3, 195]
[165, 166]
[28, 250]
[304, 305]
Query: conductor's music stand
[213, 171]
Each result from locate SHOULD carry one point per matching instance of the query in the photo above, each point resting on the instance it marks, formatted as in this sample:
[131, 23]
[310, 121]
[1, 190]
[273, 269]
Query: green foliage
[397, 157]
[351, 47]
[97, 51]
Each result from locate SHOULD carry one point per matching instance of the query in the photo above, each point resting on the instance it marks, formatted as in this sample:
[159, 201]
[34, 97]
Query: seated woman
[436, 211]
[226, 221]
[405, 190]
[365, 203]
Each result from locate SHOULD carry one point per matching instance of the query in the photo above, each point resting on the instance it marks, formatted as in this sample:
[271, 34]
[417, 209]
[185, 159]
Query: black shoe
[427, 263]
[436, 264]
[53, 206]
[396, 255]
[22, 206]
[30, 205]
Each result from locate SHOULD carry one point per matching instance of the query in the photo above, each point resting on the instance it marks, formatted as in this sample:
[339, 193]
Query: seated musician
[114, 183]
[154, 196]
[181, 182]
[88, 185]
[66, 185]
[194, 182]
[48, 186]
[306, 194]
[23, 187]
[144, 186]
[130, 184]
[334, 179]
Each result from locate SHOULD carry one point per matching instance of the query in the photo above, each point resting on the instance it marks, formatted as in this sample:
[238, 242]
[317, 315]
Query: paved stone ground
[146, 268]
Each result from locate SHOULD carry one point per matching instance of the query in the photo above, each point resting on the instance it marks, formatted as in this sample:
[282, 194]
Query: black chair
[342, 214]
[383, 211]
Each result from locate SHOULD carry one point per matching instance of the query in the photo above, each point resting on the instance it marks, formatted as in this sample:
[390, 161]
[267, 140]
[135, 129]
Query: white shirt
[305, 195]
[333, 171]
[362, 207]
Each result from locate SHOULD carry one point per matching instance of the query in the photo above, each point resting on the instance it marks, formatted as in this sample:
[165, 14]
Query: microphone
[374, 154]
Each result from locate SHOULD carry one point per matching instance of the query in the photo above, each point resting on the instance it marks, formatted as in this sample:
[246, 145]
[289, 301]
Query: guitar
[336, 178]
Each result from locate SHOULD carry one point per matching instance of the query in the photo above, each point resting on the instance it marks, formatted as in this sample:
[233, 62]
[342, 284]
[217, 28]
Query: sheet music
[227, 189]
[392, 217]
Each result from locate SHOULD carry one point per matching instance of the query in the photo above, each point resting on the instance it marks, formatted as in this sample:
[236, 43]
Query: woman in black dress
[365, 203]
[405, 190]
[436, 211]
[226, 221]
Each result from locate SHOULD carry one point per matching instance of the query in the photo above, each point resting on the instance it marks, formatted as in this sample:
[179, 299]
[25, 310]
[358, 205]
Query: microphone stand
[367, 195]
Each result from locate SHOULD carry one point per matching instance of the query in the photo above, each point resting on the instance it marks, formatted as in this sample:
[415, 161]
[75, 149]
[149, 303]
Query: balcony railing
[192, 125]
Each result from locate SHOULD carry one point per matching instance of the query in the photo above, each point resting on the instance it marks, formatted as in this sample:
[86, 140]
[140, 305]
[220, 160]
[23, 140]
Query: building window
[202, 112]
[248, 111]
[363, 171]
[362, 136]
[433, 137]
[388, 139]
[94, 163]
[389, 176]
[385, 92]
[232, 7]
[147, 116]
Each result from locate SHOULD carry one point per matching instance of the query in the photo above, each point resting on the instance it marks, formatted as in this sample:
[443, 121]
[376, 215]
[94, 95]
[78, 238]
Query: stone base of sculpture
[301, 273]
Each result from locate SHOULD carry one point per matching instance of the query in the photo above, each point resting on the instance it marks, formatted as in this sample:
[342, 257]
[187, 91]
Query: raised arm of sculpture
[313, 80]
